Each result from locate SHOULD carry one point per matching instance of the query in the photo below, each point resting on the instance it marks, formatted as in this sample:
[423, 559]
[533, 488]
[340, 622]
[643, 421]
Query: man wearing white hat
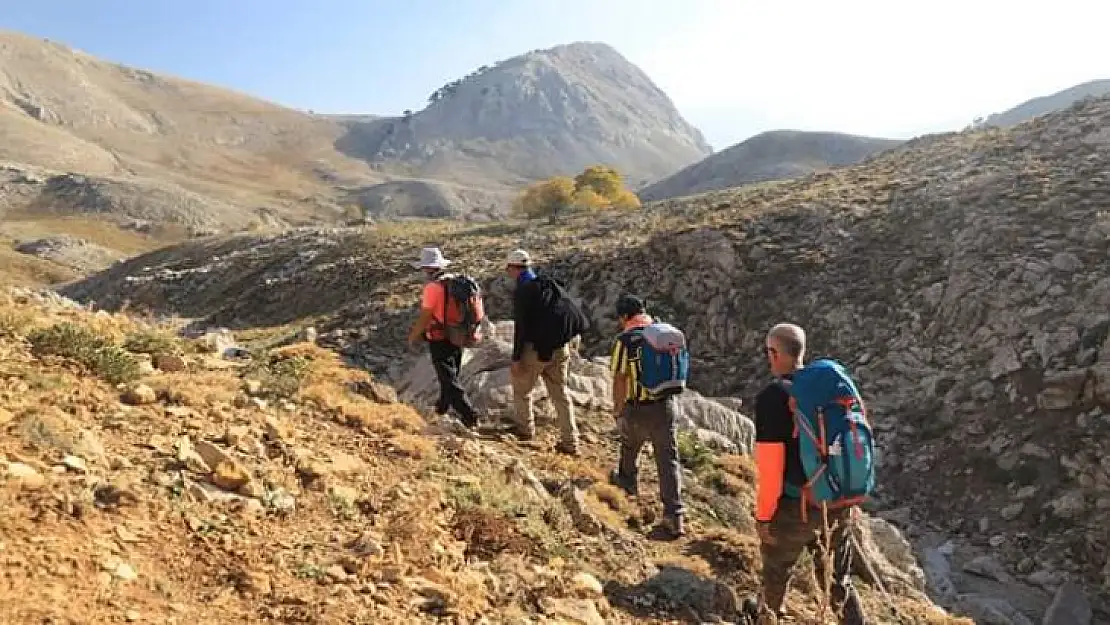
[446, 356]
[545, 322]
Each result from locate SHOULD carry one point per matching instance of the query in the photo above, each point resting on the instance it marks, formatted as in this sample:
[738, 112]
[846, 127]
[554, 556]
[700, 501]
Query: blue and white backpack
[834, 437]
[664, 359]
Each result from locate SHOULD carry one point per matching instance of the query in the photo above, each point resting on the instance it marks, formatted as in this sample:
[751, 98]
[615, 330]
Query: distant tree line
[450, 88]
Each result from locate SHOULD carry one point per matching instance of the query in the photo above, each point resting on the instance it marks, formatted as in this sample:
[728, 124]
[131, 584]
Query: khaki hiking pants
[554, 374]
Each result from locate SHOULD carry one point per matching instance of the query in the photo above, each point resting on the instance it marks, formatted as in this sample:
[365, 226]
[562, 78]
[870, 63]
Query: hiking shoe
[523, 434]
[569, 449]
[451, 424]
[627, 486]
[673, 525]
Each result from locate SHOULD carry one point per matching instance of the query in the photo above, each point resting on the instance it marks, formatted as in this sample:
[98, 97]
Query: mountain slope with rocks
[774, 155]
[1047, 104]
[151, 477]
[67, 111]
[547, 112]
[210, 159]
[962, 277]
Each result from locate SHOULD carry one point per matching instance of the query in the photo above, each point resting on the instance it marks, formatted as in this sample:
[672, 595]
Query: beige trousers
[554, 374]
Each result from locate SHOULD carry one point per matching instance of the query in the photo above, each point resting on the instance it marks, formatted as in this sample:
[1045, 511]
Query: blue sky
[733, 67]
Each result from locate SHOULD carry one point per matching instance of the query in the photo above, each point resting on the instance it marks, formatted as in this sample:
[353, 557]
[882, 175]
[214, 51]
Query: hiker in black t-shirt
[785, 531]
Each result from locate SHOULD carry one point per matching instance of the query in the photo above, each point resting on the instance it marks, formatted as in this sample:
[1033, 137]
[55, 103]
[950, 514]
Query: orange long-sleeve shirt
[776, 450]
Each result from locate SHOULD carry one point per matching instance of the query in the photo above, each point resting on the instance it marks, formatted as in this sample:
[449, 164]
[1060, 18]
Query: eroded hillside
[962, 276]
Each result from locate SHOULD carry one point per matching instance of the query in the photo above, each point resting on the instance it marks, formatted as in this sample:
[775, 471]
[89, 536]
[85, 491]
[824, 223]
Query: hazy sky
[733, 67]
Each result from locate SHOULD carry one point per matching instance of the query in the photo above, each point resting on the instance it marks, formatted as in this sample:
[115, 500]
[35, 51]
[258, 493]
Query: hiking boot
[522, 434]
[627, 486]
[470, 423]
[673, 525]
[569, 449]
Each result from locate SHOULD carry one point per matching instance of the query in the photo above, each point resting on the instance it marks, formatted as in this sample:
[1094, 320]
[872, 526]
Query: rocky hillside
[552, 111]
[774, 155]
[430, 200]
[963, 277]
[1049, 103]
[66, 111]
[146, 477]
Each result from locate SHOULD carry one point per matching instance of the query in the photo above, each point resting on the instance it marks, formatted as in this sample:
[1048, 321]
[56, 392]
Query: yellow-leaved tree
[605, 181]
[546, 199]
[598, 187]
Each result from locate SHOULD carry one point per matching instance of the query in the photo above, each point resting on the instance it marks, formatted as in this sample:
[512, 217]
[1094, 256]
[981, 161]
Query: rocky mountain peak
[545, 112]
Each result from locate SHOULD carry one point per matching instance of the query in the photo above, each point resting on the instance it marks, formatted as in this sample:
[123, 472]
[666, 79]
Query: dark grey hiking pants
[654, 422]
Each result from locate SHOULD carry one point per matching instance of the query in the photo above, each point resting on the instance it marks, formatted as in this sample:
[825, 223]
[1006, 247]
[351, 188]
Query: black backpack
[559, 303]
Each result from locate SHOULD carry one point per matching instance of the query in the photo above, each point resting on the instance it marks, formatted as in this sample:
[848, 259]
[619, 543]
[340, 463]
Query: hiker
[643, 415]
[545, 322]
[432, 325]
[789, 518]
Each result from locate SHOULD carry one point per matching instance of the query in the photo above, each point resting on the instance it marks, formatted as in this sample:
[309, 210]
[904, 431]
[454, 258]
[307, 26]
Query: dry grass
[17, 269]
[202, 389]
[27, 226]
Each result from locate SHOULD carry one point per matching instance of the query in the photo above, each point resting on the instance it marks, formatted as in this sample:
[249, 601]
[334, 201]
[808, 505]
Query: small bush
[280, 376]
[87, 348]
[67, 340]
[538, 521]
[152, 343]
[725, 483]
[114, 364]
[15, 323]
[692, 453]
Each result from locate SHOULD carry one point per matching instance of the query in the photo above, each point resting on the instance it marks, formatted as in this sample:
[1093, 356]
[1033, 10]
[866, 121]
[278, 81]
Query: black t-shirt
[775, 424]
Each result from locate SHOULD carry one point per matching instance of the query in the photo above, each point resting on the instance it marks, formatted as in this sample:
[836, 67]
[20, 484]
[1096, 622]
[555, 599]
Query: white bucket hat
[431, 257]
[518, 258]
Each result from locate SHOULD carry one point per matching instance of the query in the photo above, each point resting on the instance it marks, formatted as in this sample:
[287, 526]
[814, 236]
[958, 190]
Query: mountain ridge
[767, 156]
[1041, 105]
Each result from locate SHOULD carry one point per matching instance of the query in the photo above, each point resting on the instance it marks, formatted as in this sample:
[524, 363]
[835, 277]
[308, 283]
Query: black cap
[628, 305]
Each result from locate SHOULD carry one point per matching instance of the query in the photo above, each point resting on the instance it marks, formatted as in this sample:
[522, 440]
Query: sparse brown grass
[33, 225]
[18, 269]
[611, 496]
[201, 390]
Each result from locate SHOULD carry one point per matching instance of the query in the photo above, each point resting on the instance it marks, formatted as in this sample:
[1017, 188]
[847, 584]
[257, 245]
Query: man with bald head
[785, 530]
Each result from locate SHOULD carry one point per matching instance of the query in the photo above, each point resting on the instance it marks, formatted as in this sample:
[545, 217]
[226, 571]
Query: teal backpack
[835, 440]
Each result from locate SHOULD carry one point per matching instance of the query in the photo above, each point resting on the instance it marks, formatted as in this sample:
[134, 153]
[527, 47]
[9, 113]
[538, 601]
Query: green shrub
[692, 453]
[87, 348]
[67, 340]
[280, 377]
[114, 364]
[152, 343]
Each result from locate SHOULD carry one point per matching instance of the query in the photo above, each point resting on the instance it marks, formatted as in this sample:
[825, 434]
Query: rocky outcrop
[73, 252]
